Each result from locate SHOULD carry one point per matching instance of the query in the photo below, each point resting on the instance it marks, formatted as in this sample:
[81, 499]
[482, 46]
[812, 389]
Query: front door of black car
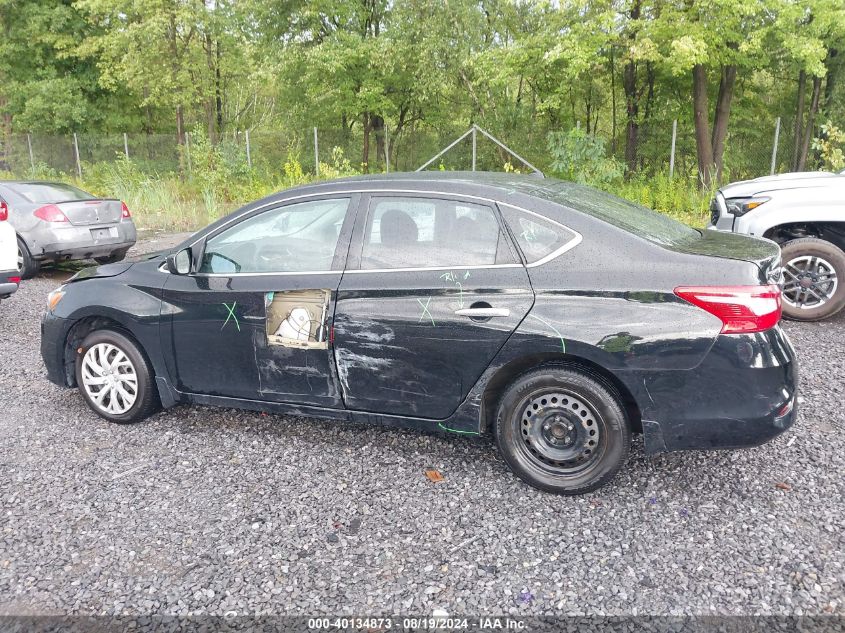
[253, 320]
[432, 291]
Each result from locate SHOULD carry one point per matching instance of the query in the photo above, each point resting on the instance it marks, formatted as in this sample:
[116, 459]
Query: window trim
[362, 196]
[575, 241]
[341, 251]
[353, 263]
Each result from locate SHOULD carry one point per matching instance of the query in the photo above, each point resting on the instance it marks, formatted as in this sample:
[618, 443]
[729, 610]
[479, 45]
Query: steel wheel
[810, 282]
[109, 378]
[559, 432]
[562, 429]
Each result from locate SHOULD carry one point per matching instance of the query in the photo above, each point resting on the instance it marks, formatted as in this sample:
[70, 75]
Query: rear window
[538, 237]
[48, 191]
[626, 215]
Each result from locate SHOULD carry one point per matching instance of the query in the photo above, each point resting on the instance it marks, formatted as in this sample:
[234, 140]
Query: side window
[538, 237]
[294, 238]
[430, 232]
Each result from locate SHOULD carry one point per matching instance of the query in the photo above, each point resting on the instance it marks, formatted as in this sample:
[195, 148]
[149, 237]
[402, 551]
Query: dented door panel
[402, 348]
[225, 318]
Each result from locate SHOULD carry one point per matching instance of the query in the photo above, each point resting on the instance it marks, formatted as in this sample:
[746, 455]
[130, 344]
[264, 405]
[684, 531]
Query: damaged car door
[432, 290]
[251, 319]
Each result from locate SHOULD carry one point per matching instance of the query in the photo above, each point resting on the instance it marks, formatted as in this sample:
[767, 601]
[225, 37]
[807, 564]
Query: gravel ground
[201, 510]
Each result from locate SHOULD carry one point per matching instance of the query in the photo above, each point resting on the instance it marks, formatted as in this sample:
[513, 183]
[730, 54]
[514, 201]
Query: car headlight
[741, 206]
[54, 297]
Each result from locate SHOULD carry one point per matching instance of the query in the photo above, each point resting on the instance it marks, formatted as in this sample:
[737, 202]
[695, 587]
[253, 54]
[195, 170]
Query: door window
[409, 232]
[538, 237]
[299, 237]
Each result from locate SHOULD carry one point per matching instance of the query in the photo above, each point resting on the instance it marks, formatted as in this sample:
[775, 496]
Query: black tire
[576, 400]
[805, 261]
[146, 397]
[111, 259]
[27, 266]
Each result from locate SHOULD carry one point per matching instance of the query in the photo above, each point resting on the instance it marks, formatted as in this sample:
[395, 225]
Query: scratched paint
[554, 329]
[347, 360]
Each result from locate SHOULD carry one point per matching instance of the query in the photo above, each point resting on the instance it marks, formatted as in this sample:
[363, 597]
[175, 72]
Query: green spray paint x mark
[425, 312]
[231, 315]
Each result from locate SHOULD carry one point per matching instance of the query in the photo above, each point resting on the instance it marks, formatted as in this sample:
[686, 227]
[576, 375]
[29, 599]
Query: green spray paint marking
[560, 336]
[231, 315]
[425, 312]
[446, 428]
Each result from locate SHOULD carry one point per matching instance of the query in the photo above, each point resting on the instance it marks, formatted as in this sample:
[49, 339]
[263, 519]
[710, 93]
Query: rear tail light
[124, 211]
[742, 309]
[50, 213]
[4, 211]
[15, 280]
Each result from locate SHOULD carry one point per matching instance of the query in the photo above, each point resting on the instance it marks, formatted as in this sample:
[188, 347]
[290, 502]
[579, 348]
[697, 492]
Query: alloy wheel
[109, 378]
[809, 282]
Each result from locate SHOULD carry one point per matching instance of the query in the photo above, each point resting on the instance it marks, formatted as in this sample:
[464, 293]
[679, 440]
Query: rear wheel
[813, 271]
[27, 266]
[115, 378]
[562, 430]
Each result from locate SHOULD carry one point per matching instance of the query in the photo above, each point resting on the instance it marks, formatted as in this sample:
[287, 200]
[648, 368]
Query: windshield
[626, 215]
[48, 191]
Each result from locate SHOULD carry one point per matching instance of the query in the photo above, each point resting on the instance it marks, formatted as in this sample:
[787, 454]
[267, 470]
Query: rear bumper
[743, 394]
[7, 287]
[54, 332]
[62, 241]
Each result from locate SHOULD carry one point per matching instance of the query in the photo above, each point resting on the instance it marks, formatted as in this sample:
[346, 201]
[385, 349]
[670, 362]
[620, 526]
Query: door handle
[483, 313]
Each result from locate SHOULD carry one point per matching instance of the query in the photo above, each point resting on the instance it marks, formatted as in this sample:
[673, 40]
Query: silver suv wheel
[809, 282]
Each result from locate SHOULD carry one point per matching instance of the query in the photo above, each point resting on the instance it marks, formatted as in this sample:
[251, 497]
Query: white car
[805, 214]
[9, 275]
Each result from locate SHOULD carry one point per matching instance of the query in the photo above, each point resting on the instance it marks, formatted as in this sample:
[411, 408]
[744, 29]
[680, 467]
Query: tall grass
[220, 181]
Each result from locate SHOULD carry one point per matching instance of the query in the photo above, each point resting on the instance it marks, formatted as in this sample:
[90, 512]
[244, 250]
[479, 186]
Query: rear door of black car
[432, 290]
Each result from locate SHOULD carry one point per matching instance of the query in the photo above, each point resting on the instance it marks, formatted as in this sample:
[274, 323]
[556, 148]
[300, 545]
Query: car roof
[496, 185]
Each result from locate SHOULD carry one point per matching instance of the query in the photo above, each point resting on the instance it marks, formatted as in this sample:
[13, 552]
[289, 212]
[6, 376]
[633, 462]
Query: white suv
[9, 275]
[805, 214]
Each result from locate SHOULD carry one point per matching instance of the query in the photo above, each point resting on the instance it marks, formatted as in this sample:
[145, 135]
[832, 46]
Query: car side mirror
[179, 263]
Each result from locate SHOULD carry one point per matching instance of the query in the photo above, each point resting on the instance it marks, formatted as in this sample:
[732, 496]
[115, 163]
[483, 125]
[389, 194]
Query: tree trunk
[7, 137]
[377, 122]
[799, 118]
[632, 126]
[365, 157]
[832, 75]
[218, 91]
[720, 120]
[612, 104]
[180, 125]
[811, 122]
[703, 141]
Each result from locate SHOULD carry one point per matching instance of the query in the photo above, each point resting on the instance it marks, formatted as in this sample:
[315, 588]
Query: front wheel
[115, 378]
[562, 430]
[813, 270]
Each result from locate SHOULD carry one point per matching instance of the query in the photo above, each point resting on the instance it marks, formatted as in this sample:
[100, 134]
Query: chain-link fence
[661, 149]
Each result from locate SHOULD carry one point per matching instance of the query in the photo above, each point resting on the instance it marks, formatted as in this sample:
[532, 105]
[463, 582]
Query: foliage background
[584, 89]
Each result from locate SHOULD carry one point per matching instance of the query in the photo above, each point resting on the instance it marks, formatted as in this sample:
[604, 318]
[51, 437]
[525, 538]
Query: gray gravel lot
[200, 510]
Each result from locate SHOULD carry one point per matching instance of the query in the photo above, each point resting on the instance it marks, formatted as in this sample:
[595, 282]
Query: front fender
[136, 308]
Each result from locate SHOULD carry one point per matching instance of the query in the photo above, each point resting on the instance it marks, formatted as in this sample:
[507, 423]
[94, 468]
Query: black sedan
[558, 318]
